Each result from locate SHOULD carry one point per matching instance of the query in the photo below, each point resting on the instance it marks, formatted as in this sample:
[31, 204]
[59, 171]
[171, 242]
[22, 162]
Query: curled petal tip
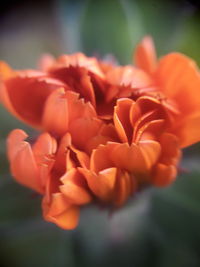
[145, 55]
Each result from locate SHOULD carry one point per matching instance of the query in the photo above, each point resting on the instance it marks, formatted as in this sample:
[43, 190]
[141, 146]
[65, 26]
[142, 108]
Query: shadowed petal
[74, 187]
[83, 130]
[164, 174]
[151, 151]
[101, 184]
[60, 212]
[129, 158]
[126, 186]
[100, 158]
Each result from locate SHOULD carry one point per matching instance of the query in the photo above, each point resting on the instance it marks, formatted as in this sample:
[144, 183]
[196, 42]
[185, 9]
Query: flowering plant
[105, 131]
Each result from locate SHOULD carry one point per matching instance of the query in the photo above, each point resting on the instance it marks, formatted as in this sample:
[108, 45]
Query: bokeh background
[161, 227]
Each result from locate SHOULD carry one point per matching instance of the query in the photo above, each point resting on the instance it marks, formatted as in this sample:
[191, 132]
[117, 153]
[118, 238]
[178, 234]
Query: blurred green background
[161, 228]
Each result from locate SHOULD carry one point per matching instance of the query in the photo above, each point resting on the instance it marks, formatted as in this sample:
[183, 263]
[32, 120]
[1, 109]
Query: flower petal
[179, 79]
[5, 71]
[83, 129]
[25, 95]
[121, 119]
[145, 55]
[188, 131]
[100, 158]
[129, 158]
[74, 187]
[129, 76]
[101, 184]
[60, 212]
[164, 175]
[151, 151]
[55, 116]
[125, 187]
[79, 60]
[22, 162]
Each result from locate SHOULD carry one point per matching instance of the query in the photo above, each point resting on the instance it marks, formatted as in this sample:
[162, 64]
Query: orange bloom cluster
[106, 131]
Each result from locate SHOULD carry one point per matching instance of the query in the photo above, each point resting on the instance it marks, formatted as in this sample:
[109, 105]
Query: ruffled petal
[44, 150]
[55, 117]
[74, 187]
[129, 76]
[22, 162]
[31, 165]
[78, 60]
[100, 158]
[101, 184]
[135, 158]
[25, 95]
[83, 130]
[60, 212]
[179, 79]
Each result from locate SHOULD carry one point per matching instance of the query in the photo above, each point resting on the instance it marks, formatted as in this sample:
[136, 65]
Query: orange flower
[107, 168]
[108, 131]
